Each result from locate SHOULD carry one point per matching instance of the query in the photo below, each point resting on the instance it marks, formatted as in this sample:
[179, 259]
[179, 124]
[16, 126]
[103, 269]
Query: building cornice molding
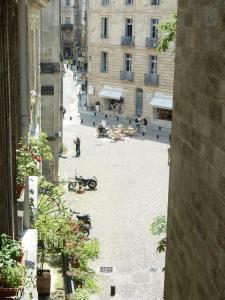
[39, 3]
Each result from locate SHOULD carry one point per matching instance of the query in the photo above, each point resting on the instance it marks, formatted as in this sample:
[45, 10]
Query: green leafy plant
[39, 147]
[167, 33]
[12, 276]
[158, 227]
[81, 294]
[29, 154]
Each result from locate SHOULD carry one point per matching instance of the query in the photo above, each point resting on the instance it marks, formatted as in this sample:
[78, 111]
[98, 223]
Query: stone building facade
[20, 101]
[51, 85]
[126, 74]
[195, 257]
[80, 32]
[67, 28]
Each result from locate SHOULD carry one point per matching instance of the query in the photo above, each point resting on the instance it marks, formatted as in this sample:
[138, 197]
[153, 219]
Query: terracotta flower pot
[43, 282]
[19, 189]
[10, 292]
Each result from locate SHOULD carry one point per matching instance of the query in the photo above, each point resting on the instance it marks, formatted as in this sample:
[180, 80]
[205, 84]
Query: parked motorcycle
[90, 182]
[84, 221]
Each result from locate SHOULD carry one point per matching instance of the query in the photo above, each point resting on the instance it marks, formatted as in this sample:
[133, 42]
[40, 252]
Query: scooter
[90, 182]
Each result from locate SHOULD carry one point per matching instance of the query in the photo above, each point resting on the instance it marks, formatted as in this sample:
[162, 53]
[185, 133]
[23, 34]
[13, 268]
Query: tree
[167, 33]
[159, 227]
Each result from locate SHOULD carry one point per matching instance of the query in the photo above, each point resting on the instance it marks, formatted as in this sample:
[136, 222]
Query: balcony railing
[127, 41]
[66, 26]
[151, 78]
[155, 2]
[151, 43]
[127, 75]
[105, 2]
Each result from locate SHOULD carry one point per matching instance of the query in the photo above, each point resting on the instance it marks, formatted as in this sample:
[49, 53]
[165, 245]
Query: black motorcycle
[84, 220]
[80, 181]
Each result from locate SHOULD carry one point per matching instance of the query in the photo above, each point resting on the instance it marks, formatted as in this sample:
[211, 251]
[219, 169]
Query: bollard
[95, 113]
[93, 123]
[117, 118]
[106, 116]
[81, 121]
[129, 121]
[157, 137]
[113, 290]
[160, 127]
[70, 118]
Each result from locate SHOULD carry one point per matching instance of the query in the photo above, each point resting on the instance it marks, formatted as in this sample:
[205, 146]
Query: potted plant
[28, 155]
[12, 270]
[97, 106]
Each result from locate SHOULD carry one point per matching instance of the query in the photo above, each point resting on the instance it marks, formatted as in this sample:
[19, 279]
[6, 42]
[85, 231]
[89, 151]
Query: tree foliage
[158, 226]
[167, 33]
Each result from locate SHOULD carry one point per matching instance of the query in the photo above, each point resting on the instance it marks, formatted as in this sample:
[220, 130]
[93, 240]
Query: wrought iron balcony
[151, 42]
[155, 2]
[151, 78]
[127, 41]
[105, 2]
[127, 75]
[66, 26]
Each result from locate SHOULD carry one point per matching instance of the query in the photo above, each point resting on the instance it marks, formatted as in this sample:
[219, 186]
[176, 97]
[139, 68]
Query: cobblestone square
[132, 190]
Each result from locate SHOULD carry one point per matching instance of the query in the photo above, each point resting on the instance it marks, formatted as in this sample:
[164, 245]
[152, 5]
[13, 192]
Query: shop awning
[162, 101]
[112, 94]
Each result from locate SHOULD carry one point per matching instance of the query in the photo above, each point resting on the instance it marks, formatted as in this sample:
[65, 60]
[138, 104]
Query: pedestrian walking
[144, 126]
[64, 111]
[77, 143]
[138, 122]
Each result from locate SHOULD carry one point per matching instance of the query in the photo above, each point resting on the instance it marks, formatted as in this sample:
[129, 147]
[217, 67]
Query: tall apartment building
[124, 66]
[80, 32]
[67, 28]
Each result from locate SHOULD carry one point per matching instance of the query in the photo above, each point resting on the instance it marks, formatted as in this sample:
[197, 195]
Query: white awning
[162, 101]
[112, 94]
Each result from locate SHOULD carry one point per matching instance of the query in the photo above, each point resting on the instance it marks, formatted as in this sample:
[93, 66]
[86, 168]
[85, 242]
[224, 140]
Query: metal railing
[105, 2]
[127, 75]
[151, 78]
[151, 42]
[155, 2]
[66, 26]
[127, 41]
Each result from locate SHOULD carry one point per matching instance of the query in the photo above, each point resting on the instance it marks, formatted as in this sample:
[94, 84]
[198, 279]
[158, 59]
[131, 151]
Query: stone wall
[195, 259]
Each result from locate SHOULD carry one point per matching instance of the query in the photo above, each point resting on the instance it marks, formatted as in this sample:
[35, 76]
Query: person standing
[138, 122]
[144, 126]
[77, 143]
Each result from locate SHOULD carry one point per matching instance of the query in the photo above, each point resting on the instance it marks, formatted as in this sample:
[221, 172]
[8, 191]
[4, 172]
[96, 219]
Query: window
[104, 62]
[105, 2]
[129, 2]
[154, 29]
[155, 2]
[105, 25]
[153, 64]
[164, 114]
[67, 20]
[129, 28]
[68, 2]
[128, 62]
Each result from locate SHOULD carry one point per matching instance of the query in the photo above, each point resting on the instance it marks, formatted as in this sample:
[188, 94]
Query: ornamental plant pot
[10, 292]
[19, 188]
[43, 282]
